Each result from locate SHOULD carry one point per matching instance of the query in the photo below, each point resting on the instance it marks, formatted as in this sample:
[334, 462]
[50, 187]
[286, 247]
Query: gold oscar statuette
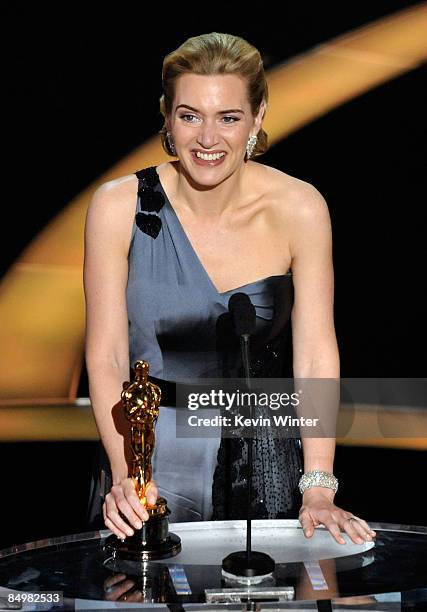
[141, 403]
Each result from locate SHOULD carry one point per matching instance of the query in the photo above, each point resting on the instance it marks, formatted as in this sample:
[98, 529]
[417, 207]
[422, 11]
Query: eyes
[234, 119]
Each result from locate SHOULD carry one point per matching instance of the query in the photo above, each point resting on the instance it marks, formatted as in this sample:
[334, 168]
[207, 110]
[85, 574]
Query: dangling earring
[171, 145]
[251, 146]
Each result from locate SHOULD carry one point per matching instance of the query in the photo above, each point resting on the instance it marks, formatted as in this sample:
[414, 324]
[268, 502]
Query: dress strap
[137, 209]
[150, 200]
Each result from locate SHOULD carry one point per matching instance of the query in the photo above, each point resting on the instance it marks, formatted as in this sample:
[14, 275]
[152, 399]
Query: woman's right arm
[107, 235]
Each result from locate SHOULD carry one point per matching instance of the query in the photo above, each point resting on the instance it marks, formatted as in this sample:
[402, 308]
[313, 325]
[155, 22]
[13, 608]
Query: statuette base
[153, 541]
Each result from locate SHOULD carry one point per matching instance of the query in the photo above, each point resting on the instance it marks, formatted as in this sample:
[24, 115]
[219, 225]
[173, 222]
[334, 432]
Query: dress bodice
[178, 320]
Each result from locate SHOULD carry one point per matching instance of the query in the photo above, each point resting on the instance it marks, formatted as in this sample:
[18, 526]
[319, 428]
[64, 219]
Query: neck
[210, 200]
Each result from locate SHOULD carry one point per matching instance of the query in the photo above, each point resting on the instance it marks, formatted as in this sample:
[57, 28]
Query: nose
[207, 137]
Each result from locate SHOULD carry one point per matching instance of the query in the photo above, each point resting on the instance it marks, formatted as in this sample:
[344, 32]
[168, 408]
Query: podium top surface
[307, 569]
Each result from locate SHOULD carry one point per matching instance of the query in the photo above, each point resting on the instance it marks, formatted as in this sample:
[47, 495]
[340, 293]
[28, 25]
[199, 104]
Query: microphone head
[242, 313]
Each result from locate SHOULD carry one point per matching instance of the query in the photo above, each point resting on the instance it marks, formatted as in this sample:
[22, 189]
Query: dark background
[81, 90]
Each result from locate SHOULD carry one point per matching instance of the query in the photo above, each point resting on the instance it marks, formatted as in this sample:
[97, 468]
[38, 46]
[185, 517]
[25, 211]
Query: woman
[157, 285]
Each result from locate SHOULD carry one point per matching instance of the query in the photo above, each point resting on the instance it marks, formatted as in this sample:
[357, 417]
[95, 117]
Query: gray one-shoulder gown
[175, 315]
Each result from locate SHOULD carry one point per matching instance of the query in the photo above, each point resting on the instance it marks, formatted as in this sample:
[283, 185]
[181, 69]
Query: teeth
[209, 157]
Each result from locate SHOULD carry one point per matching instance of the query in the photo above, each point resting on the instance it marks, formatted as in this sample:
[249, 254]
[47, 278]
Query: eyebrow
[230, 110]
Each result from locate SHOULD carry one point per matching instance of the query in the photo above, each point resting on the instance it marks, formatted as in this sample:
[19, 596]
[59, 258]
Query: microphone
[243, 318]
[242, 313]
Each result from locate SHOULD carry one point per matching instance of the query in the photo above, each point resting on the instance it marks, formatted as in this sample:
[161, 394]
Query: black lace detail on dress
[276, 468]
[277, 463]
[151, 201]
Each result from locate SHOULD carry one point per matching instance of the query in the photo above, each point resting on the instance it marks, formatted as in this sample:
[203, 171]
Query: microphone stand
[248, 564]
[244, 347]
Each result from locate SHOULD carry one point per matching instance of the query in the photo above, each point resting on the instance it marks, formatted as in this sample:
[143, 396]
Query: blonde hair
[211, 54]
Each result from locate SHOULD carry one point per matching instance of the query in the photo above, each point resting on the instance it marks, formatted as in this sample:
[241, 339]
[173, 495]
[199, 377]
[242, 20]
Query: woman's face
[211, 114]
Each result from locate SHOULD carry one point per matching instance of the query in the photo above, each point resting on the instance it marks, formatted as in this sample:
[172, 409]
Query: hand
[318, 508]
[121, 588]
[122, 499]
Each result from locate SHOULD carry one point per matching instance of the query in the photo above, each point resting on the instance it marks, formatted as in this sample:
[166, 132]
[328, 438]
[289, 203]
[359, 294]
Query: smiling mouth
[215, 160]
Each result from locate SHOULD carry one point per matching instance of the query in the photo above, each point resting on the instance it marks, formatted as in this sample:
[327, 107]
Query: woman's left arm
[315, 350]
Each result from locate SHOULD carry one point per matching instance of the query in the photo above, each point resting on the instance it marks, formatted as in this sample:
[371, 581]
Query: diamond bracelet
[316, 478]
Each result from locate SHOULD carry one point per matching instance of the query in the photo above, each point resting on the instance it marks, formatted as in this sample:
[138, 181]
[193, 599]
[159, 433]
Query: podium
[316, 569]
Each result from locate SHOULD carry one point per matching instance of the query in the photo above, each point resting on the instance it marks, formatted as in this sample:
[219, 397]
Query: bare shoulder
[293, 196]
[115, 193]
[112, 208]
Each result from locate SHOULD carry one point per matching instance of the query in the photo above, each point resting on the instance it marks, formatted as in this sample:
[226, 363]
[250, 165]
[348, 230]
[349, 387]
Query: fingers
[358, 529]
[112, 580]
[129, 504]
[333, 527]
[113, 520]
[336, 521]
[119, 589]
[124, 500]
[122, 503]
[123, 510]
[120, 533]
[365, 525]
[109, 523]
[134, 597]
[306, 524]
[354, 528]
[152, 492]
[308, 527]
